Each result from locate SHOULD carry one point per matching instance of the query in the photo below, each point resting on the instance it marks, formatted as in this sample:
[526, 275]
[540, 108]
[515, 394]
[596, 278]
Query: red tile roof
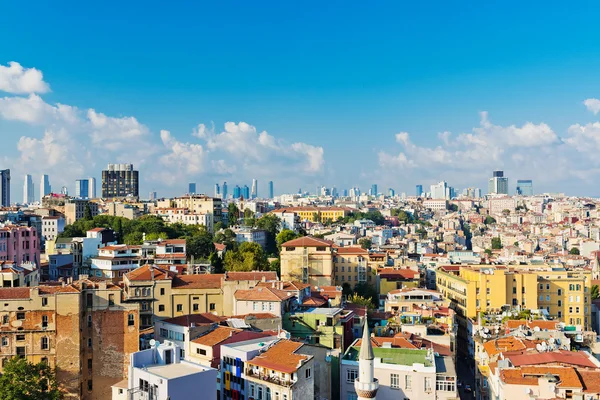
[216, 336]
[529, 376]
[308, 241]
[280, 357]
[147, 272]
[262, 294]
[198, 319]
[562, 357]
[14, 293]
[201, 281]
[251, 276]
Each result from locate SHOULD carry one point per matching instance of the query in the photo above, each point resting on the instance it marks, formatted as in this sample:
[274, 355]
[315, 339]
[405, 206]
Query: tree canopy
[496, 243]
[489, 220]
[365, 243]
[285, 236]
[248, 257]
[22, 380]
[574, 251]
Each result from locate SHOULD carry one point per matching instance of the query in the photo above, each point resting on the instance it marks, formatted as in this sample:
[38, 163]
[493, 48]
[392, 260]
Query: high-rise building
[217, 190]
[224, 191]
[525, 187]
[28, 195]
[345, 192]
[64, 191]
[391, 192]
[334, 192]
[92, 187]
[152, 196]
[5, 187]
[271, 194]
[254, 193]
[82, 188]
[374, 189]
[192, 188]
[120, 180]
[45, 188]
[246, 192]
[498, 183]
[440, 190]
[237, 192]
[419, 190]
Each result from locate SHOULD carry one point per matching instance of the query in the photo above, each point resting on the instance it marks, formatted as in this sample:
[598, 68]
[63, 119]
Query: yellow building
[397, 278]
[316, 214]
[565, 295]
[309, 260]
[163, 294]
[198, 204]
[82, 329]
[352, 266]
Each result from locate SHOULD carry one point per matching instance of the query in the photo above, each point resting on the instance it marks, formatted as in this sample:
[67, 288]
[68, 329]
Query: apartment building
[186, 217]
[75, 209]
[316, 214]
[561, 294]
[12, 275]
[81, 328]
[309, 260]
[52, 226]
[351, 266]
[19, 244]
[115, 261]
[329, 327]
[164, 252]
[263, 299]
[196, 204]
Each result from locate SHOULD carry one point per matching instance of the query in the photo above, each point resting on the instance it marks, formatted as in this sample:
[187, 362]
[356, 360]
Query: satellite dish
[551, 340]
[486, 330]
[536, 329]
[538, 347]
[544, 346]
[152, 342]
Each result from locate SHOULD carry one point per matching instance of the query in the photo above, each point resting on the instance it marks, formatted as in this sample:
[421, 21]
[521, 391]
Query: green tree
[133, 238]
[496, 243]
[361, 301]
[200, 246]
[489, 220]
[87, 212]
[276, 266]
[365, 243]
[574, 251]
[22, 380]
[217, 263]
[248, 257]
[226, 237]
[157, 235]
[233, 214]
[271, 224]
[488, 252]
[453, 207]
[218, 226]
[347, 289]
[595, 293]
[285, 236]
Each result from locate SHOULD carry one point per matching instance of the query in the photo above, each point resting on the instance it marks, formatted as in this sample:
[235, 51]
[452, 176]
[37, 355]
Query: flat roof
[324, 311]
[393, 356]
[252, 345]
[445, 365]
[178, 370]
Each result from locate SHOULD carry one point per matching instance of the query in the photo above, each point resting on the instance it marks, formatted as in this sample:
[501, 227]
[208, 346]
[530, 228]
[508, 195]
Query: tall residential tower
[45, 188]
[498, 183]
[28, 195]
[5, 187]
[120, 180]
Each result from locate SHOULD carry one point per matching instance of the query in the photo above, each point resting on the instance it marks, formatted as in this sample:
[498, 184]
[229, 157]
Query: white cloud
[113, 133]
[18, 80]
[34, 110]
[592, 105]
[182, 159]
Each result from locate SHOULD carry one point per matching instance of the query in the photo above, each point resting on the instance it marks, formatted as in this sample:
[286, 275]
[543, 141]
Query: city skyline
[208, 124]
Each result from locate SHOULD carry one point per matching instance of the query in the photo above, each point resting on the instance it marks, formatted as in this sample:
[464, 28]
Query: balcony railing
[268, 378]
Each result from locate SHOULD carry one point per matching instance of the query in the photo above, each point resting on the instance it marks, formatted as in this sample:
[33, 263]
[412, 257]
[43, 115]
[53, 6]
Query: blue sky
[344, 77]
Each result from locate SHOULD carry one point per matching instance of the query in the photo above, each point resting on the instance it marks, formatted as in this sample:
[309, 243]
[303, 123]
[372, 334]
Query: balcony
[268, 378]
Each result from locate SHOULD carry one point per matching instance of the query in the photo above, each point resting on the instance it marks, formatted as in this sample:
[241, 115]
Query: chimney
[273, 285]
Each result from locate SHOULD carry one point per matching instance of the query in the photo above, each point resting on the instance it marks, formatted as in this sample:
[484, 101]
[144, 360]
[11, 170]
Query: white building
[159, 373]
[251, 235]
[289, 219]
[114, 261]
[435, 205]
[186, 217]
[440, 190]
[28, 195]
[52, 226]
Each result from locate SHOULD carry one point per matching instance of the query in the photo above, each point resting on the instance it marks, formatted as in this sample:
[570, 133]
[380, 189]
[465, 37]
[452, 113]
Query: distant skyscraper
[64, 191]
[92, 188]
[246, 192]
[391, 192]
[334, 192]
[5, 187]
[82, 188]
[254, 193]
[192, 188]
[152, 196]
[271, 192]
[224, 191]
[440, 191]
[345, 192]
[217, 190]
[419, 190]
[28, 195]
[120, 180]
[237, 192]
[525, 187]
[374, 189]
[45, 188]
[498, 183]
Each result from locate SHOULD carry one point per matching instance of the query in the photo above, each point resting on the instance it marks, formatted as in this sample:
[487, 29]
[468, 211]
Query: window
[578, 299]
[45, 345]
[284, 396]
[541, 286]
[560, 314]
[21, 352]
[446, 383]
[130, 320]
[307, 373]
[90, 385]
[351, 375]
[111, 299]
[259, 394]
[44, 321]
[212, 306]
[21, 316]
[179, 307]
[547, 297]
[162, 291]
[161, 307]
[264, 306]
[195, 307]
[89, 363]
[547, 286]
[20, 338]
[90, 342]
[408, 382]
[395, 381]
[4, 341]
[514, 290]
[254, 306]
[559, 292]
[44, 301]
[577, 310]
[352, 396]
[541, 297]
[251, 390]
[570, 310]
[5, 319]
[202, 352]
[164, 333]
[89, 321]
[427, 384]
[559, 303]
[487, 291]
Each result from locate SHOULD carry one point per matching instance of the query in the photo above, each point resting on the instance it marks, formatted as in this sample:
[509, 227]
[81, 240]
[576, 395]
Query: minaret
[366, 385]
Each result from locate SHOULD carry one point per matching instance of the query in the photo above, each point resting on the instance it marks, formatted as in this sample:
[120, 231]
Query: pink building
[19, 244]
